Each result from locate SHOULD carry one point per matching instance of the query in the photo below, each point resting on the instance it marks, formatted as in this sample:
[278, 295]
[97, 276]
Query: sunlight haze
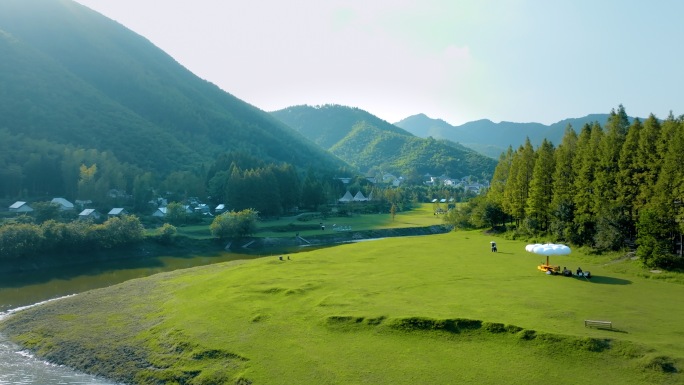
[521, 61]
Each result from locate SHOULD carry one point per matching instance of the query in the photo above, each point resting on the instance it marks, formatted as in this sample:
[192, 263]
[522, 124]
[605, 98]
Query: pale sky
[456, 60]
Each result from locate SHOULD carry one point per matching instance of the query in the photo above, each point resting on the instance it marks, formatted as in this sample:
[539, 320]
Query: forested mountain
[491, 138]
[368, 142]
[78, 89]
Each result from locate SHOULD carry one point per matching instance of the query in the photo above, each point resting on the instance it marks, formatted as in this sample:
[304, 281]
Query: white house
[220, 208]
[90, 214]
[20, 207]
[117, 212]
[63, 204]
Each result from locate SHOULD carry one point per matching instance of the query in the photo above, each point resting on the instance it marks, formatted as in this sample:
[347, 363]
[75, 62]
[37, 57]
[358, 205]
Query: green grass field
[436, 309]
[288, 226]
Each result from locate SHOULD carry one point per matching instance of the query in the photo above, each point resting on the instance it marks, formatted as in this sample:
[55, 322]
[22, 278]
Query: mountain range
[491, 138]
[73, 81]
[370, 143]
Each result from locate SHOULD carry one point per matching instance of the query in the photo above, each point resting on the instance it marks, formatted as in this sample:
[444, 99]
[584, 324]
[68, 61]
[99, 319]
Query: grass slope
[436, 309]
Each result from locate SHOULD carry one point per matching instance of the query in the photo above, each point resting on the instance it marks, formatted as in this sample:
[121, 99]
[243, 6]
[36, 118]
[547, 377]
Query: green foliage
[598, 189]
[234, 224]
[28, 240]
[20, 240]
[652, 244]
[45, 211]
[166, 233]
[176, 213]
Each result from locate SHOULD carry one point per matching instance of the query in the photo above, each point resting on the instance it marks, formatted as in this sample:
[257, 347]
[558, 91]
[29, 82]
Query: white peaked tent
[346, 198]
[359, 197]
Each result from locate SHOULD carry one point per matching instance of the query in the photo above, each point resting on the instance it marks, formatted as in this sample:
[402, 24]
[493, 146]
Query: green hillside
[368, 142]
[73, 79]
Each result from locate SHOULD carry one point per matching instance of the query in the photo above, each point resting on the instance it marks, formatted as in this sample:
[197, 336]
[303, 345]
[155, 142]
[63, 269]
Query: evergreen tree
[541, 187]
[586, 164]
[648, 160]
[517, 188]
[629, 170]
[562, 206]
[605, 182]
[500, 177]
[668, 200]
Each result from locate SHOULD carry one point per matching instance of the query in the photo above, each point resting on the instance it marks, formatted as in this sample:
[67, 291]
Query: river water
[18, 290]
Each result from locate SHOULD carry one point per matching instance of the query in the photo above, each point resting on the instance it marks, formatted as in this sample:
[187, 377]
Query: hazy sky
[457, 60]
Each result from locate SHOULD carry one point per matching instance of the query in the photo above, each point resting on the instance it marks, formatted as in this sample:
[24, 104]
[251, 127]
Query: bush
[166, 234]
[234, 224]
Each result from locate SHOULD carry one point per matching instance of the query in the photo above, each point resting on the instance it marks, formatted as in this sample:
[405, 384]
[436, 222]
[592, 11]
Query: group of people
[579, 272]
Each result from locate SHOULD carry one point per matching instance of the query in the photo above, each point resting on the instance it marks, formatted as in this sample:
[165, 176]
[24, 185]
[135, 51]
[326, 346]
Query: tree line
[26, 240]
[608, 187]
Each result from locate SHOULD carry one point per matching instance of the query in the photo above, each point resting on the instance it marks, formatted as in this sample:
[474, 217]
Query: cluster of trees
[25, 240]
[608, 187]
[234, 224]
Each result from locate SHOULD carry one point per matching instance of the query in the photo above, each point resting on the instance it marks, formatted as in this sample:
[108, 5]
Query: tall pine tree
[541, 187]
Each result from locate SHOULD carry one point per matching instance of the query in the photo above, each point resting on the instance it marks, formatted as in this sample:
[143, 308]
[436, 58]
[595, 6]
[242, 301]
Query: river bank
[181, 245]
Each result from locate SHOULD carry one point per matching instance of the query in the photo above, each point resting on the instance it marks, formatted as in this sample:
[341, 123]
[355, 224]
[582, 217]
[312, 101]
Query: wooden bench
[598, 324]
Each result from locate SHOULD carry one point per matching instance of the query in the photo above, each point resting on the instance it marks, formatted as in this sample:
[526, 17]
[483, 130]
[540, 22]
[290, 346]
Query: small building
[201, 208]
[117, 212]
[220, 209]
[20, 207]
[160, 212]
[64, 205]
[89, 214]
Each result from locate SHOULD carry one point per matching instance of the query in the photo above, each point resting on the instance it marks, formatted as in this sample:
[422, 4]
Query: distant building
[117, 212]
[63, 204]
[89, 214]
[220, 209]
[201, 208]
[160, 212]
[20, 207]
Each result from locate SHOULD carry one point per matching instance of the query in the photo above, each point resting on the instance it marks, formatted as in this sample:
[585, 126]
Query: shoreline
[149, 248]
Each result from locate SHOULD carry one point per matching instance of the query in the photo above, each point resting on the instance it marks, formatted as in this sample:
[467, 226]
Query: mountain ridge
[74, 77]
[370, 143]
[490, 138]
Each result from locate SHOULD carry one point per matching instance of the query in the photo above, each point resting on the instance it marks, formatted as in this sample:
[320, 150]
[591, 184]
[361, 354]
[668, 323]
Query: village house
[160, 212]
[220, 209]
[89, 214]
[20, 207]
[63, 204]
[117, 212]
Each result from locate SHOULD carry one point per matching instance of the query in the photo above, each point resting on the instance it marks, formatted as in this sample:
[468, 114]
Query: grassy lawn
[288, 226]
[436, 309]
